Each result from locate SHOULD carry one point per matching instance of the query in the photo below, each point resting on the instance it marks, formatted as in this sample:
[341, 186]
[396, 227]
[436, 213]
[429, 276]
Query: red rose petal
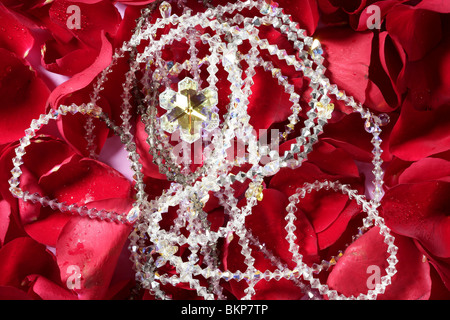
[47, 230]
[22, 96]
[95, 19]
[75, 181]
[348, 134]
[306, 13]
[84, 78]
[441, 266]
[127, 25]
[94, 246]
[420, 211]
[348, 58]
[394, 170]
[269, 96]
[148, 167]
[29, 212]
[331, 14]
[333, 160]
[417, 30]
[441, 6]
[65, 59]
[325, 162]
[14, 36]
[24, 256]
[85, 180]
[428, 79]
[418, 134]
[352, 276]
[367, 15]
[73, 127]
[42, 155]
[5, 211]
[48, 290]
[438, 289]
[323, 208]
[425, 170]
[386, 66]
[271, 212]
[136, 2]
[12, 293]
[277, 290]
[331, 234]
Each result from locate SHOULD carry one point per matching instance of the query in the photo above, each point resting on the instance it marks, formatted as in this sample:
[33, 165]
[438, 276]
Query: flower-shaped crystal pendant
[189, 110]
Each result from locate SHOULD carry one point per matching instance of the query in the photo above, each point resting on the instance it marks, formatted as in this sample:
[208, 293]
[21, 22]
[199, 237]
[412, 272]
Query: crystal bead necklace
[183, 97]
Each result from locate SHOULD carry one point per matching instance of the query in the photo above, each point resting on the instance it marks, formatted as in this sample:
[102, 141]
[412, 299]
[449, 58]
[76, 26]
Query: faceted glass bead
[325, 111]
[165, 9]
[133, 215]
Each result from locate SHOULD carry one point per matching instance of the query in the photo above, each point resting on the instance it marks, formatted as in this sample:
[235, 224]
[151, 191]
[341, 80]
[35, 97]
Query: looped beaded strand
[151, 246]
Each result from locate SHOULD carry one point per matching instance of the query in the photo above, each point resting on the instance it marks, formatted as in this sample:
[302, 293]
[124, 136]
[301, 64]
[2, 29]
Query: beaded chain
[168, 101]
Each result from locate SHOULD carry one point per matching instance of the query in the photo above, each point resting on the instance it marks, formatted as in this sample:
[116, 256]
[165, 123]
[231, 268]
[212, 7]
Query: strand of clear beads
[372, 214]
[90, 136]
[36, 124]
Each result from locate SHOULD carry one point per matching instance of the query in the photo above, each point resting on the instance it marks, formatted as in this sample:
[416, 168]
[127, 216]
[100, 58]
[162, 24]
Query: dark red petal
[94, 246]
[326, 162]
[22, 257]
[5, 211]
[277, 290]
[420, 211]
[441, 265]
[435, 5]
[85, 180]
[428, 79]
[95, 19]
[12, 293]
[348, 134]
[386, 66]
[438, 289]
[331, 14]
[135, 2]
[84, 78]
[375, 99]
[65, 59]
[352, 275]
[271, 211]
[347, 57]
[331, 234]
[306, 13]
[425, 170]
[28, 211]
[73, 127]
[333, 160]
[417, 30]
[148, 167]
[288, 180]
[42, 155]
[366, 16]
[418, 134]
[22, 96]
[47, 230]
[323, 208]
[268, 102]
[48, 290]
[393, 171]
[14, 36]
